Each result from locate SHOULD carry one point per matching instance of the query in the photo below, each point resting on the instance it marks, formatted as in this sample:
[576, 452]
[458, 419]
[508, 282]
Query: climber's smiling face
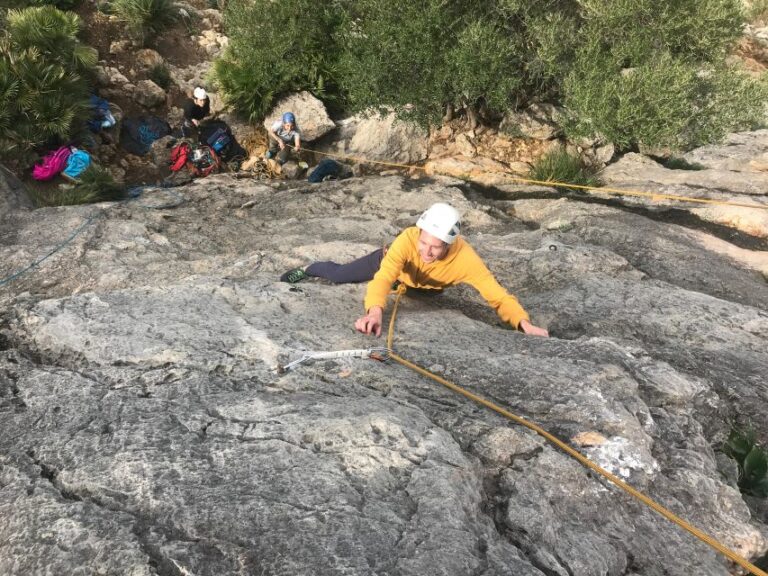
[430, 248]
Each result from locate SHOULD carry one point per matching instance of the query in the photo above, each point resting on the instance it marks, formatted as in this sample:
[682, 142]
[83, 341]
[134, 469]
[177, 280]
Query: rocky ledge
[144, 428]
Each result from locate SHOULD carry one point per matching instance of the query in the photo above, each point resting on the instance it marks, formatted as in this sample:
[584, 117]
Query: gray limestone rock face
[12, 194]
[311, 115]
[735, 172]
[377, 137]
[145, 430]
[149, 94]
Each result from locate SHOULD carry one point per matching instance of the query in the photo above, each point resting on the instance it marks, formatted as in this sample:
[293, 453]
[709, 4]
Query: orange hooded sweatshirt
[460, 265]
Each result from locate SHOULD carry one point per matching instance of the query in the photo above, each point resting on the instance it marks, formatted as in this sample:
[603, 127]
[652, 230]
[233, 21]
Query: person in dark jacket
[194, 111]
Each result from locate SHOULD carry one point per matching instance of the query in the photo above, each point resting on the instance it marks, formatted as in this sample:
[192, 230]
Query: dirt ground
[176, 45]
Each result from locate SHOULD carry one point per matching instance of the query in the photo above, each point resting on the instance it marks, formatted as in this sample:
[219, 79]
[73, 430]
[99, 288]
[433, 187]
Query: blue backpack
[77, 163]
[101, 117]
[329, 169]
[219, 139]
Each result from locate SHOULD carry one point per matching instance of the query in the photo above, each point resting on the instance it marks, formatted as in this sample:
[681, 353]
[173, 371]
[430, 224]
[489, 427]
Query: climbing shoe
[293, 276]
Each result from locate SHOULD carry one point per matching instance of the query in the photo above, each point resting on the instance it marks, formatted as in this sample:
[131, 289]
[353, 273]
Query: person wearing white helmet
[195, 109]
[431, 255]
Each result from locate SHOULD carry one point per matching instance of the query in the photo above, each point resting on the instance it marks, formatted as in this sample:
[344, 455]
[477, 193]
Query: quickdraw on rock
[380, 354]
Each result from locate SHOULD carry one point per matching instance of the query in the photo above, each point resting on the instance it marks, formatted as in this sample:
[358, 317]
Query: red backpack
[51, 164]
[202, 161]
[179, 156]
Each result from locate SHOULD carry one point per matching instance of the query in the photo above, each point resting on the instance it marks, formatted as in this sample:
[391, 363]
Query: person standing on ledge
[431, 255]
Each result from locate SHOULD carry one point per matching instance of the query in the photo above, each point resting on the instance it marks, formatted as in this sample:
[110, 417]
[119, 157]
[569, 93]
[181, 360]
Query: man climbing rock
[282, 135]
[432, 256]
[195, 109]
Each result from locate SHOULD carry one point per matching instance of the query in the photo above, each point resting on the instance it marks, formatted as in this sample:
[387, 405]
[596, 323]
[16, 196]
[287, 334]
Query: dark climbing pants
[360, 270]
[188, 130]
[281, 156]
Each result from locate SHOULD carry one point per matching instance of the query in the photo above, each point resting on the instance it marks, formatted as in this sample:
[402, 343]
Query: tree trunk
[448, 113]
[471, 116]
[483, 112]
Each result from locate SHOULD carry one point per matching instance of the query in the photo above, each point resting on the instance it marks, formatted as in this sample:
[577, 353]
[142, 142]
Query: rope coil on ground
[668, 514]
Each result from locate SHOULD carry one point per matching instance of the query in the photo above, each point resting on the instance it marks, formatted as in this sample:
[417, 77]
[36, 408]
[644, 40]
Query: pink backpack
[51, 164]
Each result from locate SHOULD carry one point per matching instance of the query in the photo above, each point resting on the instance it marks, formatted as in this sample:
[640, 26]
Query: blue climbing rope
[133, 194]
[36, 263]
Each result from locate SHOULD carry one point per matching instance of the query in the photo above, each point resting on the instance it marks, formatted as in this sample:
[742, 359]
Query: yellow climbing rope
[655, 196]
[744, 563]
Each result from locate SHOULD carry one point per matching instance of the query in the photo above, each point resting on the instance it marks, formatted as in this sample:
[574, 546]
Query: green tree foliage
[160, 75]
[145, 18]
[752, 460]
[275, 48]
[60, 4]
[640, 72]
[393, 57]
[653, 74]
[43, 92]
[425, 55]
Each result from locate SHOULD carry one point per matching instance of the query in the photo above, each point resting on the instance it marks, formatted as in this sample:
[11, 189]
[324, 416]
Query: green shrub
[398, 57]
[104, 6]
[99, 184]
[275, 48]
[640, 72]
[160, 75]
[560, 166]
[427, 54]
[60, 4]
[751, 459]
[145, 18]
[551, 40]
[94, 185]
[43, 92]
[52, 33]
[663, 102]
[634, 31]
[653, 74]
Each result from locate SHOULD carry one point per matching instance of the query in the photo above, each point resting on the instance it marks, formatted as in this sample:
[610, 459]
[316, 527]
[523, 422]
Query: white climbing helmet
[441, 221]
[199, 93]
